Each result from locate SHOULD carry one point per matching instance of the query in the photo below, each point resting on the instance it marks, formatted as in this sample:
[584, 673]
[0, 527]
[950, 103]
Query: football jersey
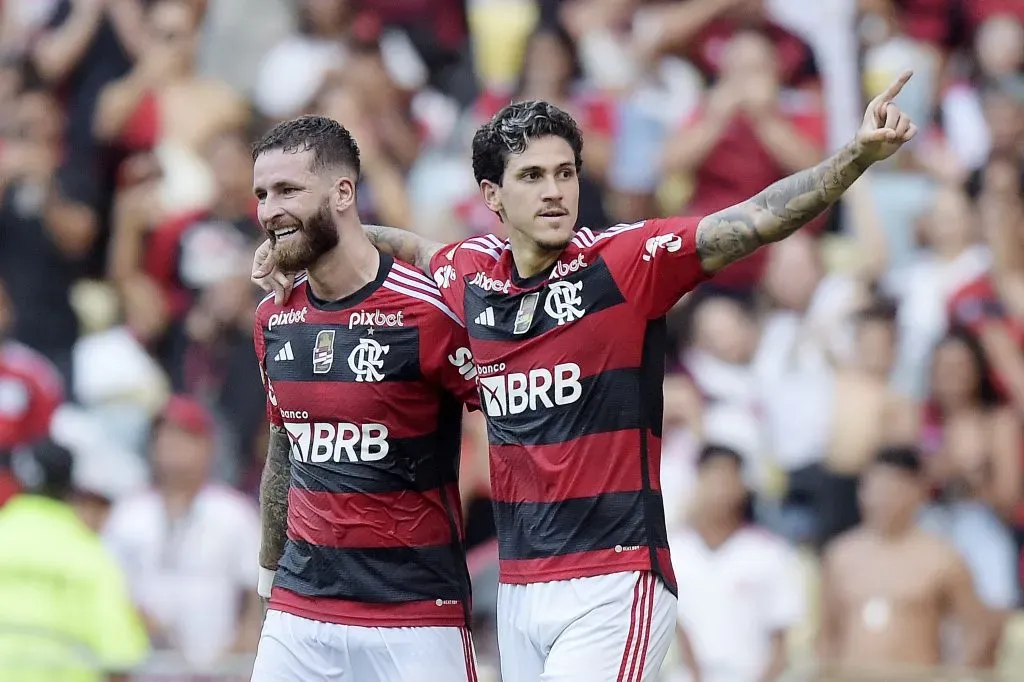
[570, 366]
[370, 389]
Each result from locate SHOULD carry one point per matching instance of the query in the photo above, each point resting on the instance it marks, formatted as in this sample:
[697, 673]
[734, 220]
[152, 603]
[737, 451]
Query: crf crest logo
[564, 301]
[367, 359]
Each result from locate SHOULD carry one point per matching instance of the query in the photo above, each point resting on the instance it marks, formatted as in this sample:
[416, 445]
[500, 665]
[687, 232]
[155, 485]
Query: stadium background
[127, 227]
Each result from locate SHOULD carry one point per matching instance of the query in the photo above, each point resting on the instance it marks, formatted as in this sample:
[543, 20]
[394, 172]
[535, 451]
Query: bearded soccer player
[365, 369]
[567, 330]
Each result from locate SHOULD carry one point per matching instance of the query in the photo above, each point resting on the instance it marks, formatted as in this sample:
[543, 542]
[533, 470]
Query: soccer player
[365, 371]
[567, 330]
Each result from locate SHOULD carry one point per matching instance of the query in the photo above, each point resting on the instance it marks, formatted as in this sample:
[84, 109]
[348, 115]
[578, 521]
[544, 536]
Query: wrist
[265, 582]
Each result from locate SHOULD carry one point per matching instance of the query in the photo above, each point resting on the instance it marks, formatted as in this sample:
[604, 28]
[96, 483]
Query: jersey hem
[367, 622]
[525, 577]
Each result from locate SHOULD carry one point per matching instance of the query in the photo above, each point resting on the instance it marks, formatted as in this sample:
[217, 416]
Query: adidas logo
[285, 353]
[486, 318]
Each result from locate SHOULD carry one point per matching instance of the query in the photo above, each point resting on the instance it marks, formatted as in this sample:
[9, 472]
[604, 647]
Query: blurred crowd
[827, 397]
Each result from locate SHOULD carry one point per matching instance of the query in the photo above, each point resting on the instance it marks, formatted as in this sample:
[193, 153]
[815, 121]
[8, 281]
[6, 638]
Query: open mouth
[285, 232]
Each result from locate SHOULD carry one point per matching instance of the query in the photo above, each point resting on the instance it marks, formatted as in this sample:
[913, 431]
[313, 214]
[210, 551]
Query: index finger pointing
[894, 88]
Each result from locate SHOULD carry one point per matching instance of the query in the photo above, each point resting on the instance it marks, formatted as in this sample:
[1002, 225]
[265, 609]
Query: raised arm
[274, 485]
[789, 204]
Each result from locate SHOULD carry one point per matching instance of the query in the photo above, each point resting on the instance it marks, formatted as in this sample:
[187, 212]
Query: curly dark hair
[331, 143]
[510, 131]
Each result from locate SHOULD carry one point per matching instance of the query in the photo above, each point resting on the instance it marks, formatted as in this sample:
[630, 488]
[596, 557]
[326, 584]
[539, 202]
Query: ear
[492, 195]
[344, 194]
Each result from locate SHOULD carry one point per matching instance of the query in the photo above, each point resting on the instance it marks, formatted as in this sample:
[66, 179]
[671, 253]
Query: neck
[530, 259]
[346, 268]
[715, 532]
[178, 497]
[893, 532]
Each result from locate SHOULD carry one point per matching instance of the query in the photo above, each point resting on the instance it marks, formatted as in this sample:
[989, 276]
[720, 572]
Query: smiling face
[539, 193]
[295, 207]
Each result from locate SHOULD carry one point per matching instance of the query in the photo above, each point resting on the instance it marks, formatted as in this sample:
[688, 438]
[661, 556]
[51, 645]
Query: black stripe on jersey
[399, 358]
[535, 530]
[596, 290]
[608, 401]
[414, 464]
[380, 575]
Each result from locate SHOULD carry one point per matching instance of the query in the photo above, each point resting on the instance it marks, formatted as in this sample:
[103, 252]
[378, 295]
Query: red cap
[188, 414]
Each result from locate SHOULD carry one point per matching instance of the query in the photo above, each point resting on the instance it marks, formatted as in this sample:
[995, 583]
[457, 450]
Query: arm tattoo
[403, 245]
[778, 211]
[274, 498]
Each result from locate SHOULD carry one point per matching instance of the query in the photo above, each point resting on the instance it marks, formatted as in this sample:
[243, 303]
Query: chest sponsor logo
[376, 318]
[488, 284]
[668, 242]
[563, 269]
[518, 392]
[564, 302]
[287, 317]
[320, 442]
[367, 360]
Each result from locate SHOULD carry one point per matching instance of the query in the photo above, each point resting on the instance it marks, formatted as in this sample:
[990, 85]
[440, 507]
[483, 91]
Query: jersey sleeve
[653, 262]
[450, 265]
[447, 355]
[260, 344]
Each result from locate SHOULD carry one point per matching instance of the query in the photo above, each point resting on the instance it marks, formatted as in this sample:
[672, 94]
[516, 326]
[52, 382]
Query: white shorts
[609, 628]
[294, 649]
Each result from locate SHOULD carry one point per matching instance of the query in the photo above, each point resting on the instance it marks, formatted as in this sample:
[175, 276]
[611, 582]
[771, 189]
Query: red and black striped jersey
[370, 389]
[570, 367]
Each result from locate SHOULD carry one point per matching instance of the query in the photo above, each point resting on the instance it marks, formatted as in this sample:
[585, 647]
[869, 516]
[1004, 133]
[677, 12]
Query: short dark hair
[512, 128]
[904, 458]
[713, 451]
[331, 143]
[880, 309]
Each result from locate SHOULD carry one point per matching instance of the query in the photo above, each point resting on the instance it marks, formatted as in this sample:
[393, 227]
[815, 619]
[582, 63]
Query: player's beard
[317, 235]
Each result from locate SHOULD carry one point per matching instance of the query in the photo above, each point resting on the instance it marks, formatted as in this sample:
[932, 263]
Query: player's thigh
[423, 654]
[621, 640]
[293, 649]
[520, 657]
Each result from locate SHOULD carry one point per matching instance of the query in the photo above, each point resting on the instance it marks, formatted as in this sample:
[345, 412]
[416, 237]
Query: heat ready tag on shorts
[524, 318]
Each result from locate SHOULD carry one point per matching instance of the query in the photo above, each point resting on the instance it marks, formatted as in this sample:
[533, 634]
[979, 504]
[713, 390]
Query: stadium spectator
[740, 588]
[65, 612]
[888, 586]
[187, 545]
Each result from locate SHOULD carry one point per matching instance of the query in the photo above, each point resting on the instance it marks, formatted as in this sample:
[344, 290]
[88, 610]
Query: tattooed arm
[274, 485]
[778, 211]
[404, 245]
[789, 204]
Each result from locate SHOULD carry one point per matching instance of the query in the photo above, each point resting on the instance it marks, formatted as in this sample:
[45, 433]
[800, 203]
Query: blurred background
[868, 370]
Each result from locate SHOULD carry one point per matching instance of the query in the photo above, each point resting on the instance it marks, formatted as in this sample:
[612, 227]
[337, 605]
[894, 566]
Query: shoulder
[267, 308]
[419, 292]
[844, 548]
[482, 252]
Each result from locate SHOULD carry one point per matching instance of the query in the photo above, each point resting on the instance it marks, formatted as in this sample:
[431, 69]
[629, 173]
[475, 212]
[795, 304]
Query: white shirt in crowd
[733, 598]
[190, 576]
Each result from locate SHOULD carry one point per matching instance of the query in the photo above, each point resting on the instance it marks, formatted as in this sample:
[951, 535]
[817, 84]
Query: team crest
[323, 352]
[367, 360]
[564, 301]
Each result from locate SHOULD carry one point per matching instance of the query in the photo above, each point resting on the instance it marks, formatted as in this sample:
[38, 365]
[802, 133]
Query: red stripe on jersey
[579, 565]
[365, 614]
[561, 471]
[377, 520]
[413, 403]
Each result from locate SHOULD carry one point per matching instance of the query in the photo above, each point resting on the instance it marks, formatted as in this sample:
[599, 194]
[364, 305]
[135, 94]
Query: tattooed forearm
[778, 211]
[403, 245]
[274, 498]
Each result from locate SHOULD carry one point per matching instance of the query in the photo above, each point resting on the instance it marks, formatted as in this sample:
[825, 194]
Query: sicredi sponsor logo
[375, 318]
[488, 284]
[287, 317]
[320, 442]
[462, 358]
[517, 392]
[562, 269]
